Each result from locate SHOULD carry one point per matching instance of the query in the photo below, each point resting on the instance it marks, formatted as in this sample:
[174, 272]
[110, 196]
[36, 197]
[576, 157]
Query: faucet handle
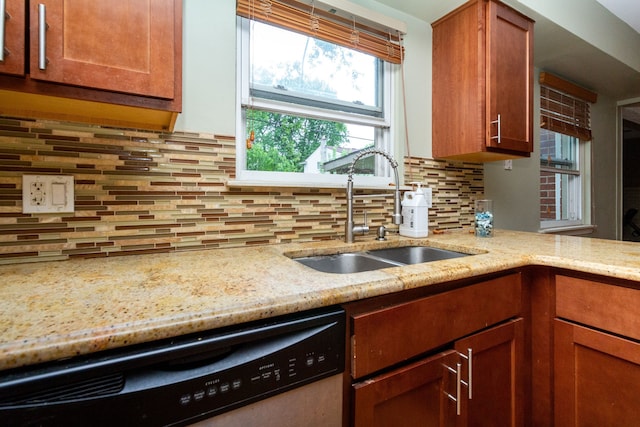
[364, 228]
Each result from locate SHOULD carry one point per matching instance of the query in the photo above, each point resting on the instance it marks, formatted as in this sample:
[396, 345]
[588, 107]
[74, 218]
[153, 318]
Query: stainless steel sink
[356, 262]
[415, 254]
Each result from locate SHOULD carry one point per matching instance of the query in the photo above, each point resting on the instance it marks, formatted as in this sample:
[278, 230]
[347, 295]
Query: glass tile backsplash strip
[144, 192]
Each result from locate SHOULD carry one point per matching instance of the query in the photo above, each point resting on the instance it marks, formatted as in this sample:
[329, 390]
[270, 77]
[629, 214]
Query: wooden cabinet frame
[122, 98]
[499, 375]
[393, 365]
[565, 361]
[376, 401]
[580, 324]
[597, 378]
[482, 83]
[14, 38]
[82, 37]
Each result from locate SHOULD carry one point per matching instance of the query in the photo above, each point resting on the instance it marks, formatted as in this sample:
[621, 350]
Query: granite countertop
[60, 309]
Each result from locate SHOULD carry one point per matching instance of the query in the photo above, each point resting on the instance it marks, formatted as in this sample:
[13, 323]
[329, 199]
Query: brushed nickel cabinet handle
[469, 382]
[42, 37]
[3, 18]
[499, 136]
[457, 398]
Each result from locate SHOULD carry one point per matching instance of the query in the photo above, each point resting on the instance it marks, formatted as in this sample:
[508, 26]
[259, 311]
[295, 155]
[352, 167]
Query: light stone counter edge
[60, 309]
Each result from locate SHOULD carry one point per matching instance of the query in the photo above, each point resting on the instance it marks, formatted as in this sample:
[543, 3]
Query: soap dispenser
[415, 214]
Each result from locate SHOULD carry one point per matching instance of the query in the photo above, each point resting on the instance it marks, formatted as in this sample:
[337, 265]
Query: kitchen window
[308, 106]
[562, 184]
[565, 156]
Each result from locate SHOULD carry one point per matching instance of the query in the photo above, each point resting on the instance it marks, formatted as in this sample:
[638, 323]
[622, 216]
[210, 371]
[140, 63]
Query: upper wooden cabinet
[482, 83]
[113, 63]
[123, 46]
[12, 36]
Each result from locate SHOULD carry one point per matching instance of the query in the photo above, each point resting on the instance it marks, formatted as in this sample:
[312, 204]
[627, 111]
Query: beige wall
[209, 68]
[607, 214]
[516, 191]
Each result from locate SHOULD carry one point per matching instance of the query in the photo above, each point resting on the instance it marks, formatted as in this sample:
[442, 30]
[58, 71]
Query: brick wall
[547, 179]
[145, 192]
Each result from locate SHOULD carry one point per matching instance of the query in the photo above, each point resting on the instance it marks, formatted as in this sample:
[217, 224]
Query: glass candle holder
[484, 218]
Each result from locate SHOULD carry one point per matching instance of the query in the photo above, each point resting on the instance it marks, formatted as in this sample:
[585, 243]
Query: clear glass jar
[484, 218]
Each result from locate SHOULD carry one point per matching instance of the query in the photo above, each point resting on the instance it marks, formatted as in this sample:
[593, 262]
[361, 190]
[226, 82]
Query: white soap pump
[415, 214]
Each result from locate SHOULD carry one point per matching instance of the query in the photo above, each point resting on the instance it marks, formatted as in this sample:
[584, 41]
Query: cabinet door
[396, 333]
[414, 395]
[13, 37]
[458, 84]
[509, 62]
[597, 378]
[482, 68]
[122, 46]
[496, 382]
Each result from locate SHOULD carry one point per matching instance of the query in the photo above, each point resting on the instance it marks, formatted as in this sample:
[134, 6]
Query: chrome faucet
[350, 228]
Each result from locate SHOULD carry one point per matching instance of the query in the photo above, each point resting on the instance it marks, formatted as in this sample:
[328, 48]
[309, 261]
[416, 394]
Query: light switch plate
[47, 193]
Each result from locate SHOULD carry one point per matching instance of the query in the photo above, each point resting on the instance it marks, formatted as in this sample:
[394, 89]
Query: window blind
[325, 25]
[563, 112]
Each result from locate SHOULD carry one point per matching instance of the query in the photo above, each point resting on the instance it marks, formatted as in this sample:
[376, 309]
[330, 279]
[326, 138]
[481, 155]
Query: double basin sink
[356, 262]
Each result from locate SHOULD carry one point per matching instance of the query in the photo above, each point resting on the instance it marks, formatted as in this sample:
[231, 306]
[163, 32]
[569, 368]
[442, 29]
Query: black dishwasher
[177, 381]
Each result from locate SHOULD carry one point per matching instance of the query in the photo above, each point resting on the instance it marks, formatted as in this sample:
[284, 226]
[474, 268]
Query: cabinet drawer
[390, 335]
[601, 305]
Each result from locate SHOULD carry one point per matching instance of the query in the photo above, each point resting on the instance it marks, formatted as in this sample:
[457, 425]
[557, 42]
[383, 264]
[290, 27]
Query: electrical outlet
[37, 195]
[47, 193]
[508, 165]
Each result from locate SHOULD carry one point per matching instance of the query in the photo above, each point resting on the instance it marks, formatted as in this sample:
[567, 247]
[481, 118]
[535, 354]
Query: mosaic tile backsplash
[144, 192]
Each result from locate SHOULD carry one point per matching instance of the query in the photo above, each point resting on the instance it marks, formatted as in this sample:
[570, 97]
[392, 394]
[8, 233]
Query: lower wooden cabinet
[597, 378]
[564, 351]
[596, 357]
[498, 377]
[395, 333]
[477, 383]
[414, 395]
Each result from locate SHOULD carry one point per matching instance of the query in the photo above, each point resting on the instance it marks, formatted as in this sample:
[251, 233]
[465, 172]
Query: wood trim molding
[567, 87]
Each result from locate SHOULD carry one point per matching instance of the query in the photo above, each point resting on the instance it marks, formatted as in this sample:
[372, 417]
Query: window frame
[579, 191]
[383, 127]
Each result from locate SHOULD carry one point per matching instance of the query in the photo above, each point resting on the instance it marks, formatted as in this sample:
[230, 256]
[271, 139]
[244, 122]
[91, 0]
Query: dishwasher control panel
[282, 370]
[179, 381]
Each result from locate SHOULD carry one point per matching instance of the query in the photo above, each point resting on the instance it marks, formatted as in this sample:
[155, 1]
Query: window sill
[302, 184]
[300, 180]
[573, 230]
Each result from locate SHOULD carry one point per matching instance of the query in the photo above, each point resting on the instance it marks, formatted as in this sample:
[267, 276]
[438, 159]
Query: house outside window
[565, 155]
[308, 106]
